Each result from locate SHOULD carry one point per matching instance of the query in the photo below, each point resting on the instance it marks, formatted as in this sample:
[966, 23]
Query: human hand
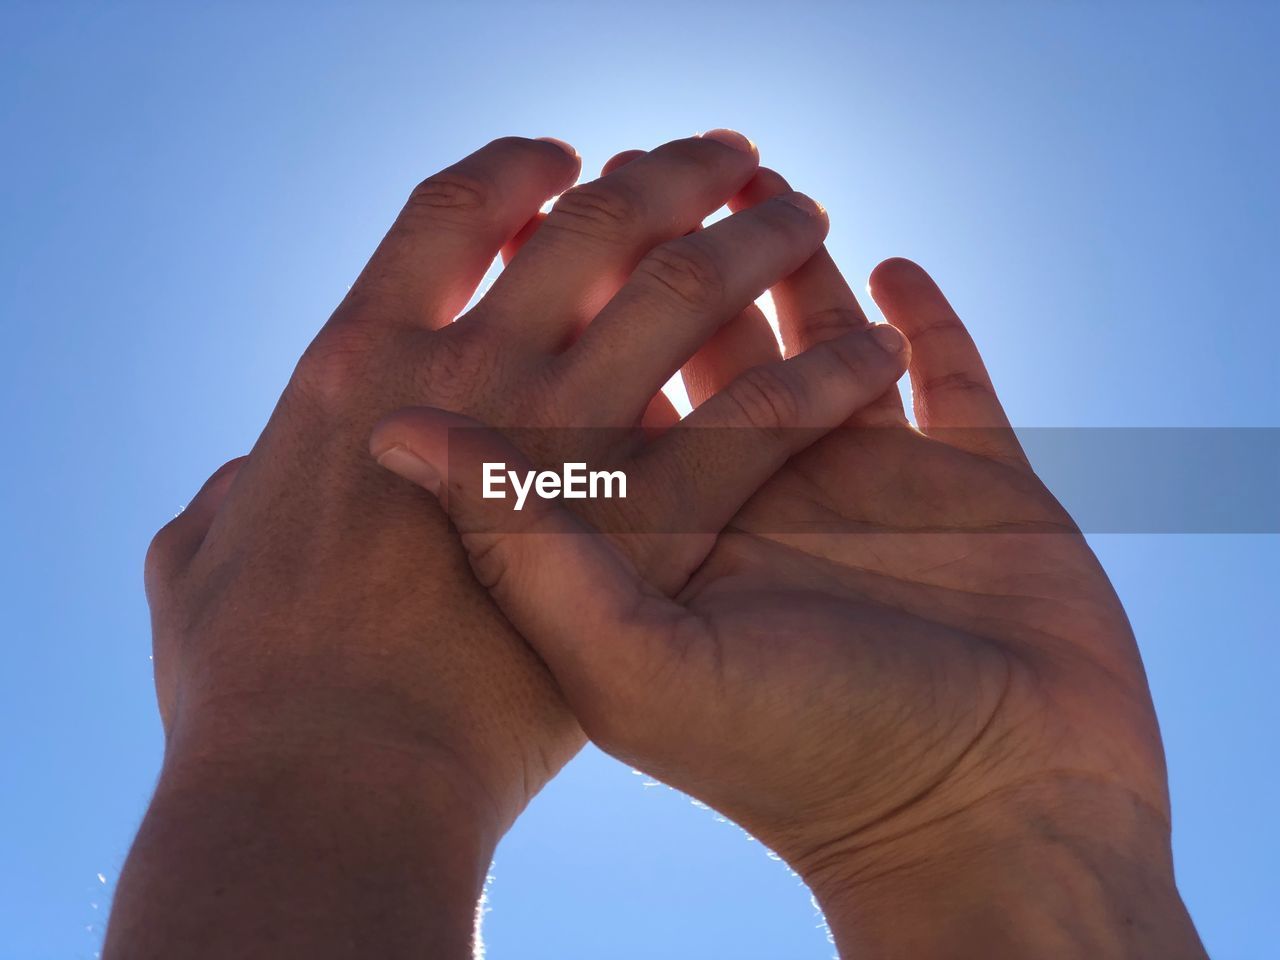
[901, 667]
[350, 722]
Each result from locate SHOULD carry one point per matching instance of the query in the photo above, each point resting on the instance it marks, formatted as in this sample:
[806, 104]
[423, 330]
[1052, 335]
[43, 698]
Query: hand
[901, 667]
[350, 722]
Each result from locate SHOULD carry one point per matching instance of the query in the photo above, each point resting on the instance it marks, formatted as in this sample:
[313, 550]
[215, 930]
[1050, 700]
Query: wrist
[1085, 875]
[369, 846]
[348, 714]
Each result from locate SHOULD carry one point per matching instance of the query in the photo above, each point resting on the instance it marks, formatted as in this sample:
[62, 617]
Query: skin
[351, 724]
[900, 665]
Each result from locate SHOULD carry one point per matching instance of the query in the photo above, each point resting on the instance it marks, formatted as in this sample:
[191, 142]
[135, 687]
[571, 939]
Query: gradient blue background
[186, 193]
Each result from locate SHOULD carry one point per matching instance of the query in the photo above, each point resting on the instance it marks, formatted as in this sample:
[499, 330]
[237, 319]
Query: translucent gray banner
[891, 479]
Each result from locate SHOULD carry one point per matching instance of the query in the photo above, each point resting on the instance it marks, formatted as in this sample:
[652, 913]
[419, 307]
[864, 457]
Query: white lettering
[548, 485]
[493, 477]
[521, 491]
[608, 478]
[573, 482]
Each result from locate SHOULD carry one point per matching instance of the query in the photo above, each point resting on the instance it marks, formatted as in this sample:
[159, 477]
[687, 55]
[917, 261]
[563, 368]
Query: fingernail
[730, 138]
[888, 338]
[566, 147]
[803, 203]
[403, 461]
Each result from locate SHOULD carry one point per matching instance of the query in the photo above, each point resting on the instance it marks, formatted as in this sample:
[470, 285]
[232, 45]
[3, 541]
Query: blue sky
[188, 190]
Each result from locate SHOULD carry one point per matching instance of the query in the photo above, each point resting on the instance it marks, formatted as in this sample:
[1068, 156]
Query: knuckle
[489, 559]
[452, 194]
[765, 399]
[461, 364]
[169, 551]
[159, 556]
[849, 355]
[491, 539]
[947, 327]
[174, 544]
[687, 272]
[956, 381]
[831, 322]
[334, 367]
[597, 211]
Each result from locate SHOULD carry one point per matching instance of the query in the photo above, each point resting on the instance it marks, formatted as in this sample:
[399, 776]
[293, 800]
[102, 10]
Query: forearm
[1020, 885]
[325, 855]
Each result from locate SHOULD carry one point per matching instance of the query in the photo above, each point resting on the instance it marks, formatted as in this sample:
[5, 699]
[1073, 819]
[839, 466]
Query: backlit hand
[351, 724]
[900, 666]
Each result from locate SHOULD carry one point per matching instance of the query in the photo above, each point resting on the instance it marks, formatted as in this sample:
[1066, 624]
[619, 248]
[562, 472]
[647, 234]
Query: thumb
[569, 590]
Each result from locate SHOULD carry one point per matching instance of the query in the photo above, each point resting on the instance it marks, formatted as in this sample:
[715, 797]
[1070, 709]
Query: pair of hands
[941, 715]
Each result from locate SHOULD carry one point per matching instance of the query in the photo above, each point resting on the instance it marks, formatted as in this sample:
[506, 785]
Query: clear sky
[186, 194]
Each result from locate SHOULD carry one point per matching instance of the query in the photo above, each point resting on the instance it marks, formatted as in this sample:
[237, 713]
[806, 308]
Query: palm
[917, 613]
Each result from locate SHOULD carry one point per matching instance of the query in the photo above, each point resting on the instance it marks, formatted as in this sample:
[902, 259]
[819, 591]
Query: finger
[659, 416]
[620, 160]
[512, 246]
[520, 239]
[597, 233]
[567, 589]
[453, 225]
[954, 397]
[816, 303]
[744, 342]
[679, 295]
[724, 451]
[178, 540]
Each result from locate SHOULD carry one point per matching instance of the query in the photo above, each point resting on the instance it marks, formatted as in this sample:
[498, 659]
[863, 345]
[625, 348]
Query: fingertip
[566, 151]
[405, 462]
[895, 273]
[882, 350]
[891, 340]
[802, 202]
[384, 435]
[732, 138]
[437, 439]
[767, 178]
[620, 160]
[568, 148]
[413, 428]
[518, 147]
[815, 211]
[413, 443]
[766, 183]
